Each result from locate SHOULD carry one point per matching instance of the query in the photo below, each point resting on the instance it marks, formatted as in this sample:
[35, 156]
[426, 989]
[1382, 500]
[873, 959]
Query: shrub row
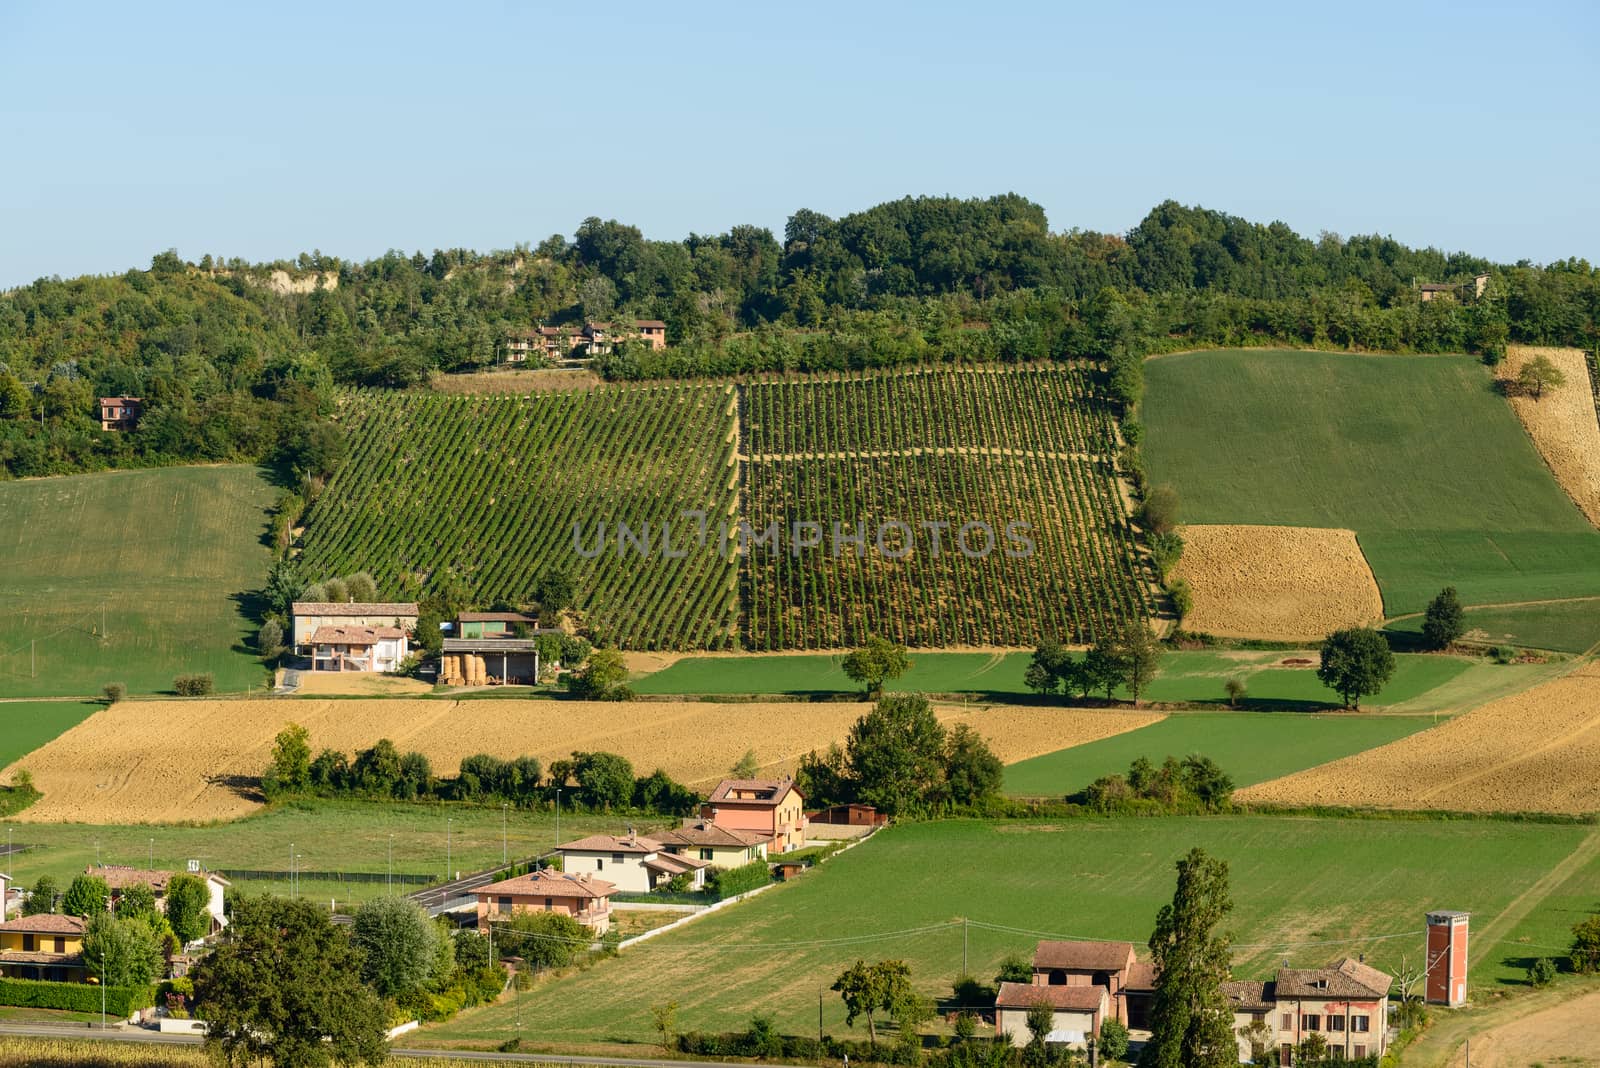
[730, 882]
[121, 1001]
[758, 1042]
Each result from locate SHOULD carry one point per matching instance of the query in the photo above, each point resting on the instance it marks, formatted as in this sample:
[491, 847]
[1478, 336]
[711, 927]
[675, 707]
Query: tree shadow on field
[1522, 964]
[247, 787]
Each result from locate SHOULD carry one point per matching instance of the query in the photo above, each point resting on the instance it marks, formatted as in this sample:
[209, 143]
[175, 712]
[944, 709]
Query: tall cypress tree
[1191, 1020]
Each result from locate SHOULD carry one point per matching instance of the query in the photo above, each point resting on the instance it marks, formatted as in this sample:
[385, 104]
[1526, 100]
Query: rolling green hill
[161, 556]
[1417, 455]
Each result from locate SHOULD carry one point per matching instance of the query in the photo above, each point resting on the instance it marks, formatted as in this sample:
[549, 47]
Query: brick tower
[1447, 959]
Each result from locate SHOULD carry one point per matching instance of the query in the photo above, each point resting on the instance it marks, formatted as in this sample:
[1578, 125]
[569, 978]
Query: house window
[549, 903]
[1361, 1051]
[599, 864]
[705, 854]
[1335, 1053]
[1359, 1024]
[503, 904]
[1335, 1023]
[1288, 1021]
[61, 945]
[1310, 1021]
[616, 858]
[27, 943]
[1258, 1017]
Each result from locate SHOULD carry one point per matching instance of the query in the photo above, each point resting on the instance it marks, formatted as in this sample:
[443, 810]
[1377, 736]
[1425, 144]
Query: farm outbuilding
[310, 616]
[489, 662]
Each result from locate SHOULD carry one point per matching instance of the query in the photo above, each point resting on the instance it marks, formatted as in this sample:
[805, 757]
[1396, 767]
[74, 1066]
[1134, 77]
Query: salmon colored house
[583, 897]
[771, 807]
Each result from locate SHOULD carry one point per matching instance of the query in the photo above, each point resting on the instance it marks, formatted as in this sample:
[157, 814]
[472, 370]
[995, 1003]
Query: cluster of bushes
[424, 969]
[198, 685]
[1194, 784]
[901, 759]
[121, 1001]
[763, 1040]
[594, 780]
[20, 794]
[1125, 658]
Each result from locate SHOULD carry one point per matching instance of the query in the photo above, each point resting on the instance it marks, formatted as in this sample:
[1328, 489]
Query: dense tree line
[238, 361]
[597, 781]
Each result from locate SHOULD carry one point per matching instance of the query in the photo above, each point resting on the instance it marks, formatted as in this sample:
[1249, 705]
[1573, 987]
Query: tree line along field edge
[495, 488]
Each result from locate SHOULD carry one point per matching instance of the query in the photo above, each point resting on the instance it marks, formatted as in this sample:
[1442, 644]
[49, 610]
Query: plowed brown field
[1562, 424]
[1533, 752]
[163, 761]
[1291, 583]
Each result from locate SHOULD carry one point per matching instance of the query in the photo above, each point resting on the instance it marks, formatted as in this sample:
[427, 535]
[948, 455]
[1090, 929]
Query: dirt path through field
[1564, 1034]
[1530, 899]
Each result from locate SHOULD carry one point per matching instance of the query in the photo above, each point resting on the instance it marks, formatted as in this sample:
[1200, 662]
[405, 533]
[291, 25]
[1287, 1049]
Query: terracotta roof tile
[768, 791]
[1065, 998]
[1084, 956]
[612, 843]
[1342, 979]
[548, 884]
[705, 833]
[45, 923]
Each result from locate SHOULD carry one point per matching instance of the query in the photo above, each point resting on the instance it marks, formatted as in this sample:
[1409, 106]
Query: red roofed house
[1102, 964]
[118, 876]
[718, 846]
[47, 946]
[635, 864]
[357, 648]
[120, 413]
[772, 807]
[312, 616]
[1078, 1012]
[1347, 1003]
[583, 897]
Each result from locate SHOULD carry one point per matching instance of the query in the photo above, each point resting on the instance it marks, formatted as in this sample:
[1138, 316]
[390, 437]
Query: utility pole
[558, 815]
[33, 664]
[391, 863]
[964, 946]
[447, 849]
[819, 1015]
[505, 849]
[152, 860]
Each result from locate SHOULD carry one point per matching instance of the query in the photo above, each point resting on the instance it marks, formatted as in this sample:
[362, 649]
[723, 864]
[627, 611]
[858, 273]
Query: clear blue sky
[264, 130]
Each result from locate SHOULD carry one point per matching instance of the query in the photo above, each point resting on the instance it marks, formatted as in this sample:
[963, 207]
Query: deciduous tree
[895, 753]
[286, 985]
[868, 988]
[188, 907]
[87, 895]
[400, 945]
[875, 663]
[1444, 621]
[1356, 663]
[1538, 375]
[122, 951]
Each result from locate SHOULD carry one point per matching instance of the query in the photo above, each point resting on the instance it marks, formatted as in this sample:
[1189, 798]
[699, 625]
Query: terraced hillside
[492, 488]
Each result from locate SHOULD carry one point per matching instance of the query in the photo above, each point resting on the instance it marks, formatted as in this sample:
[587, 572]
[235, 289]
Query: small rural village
[1120, 593]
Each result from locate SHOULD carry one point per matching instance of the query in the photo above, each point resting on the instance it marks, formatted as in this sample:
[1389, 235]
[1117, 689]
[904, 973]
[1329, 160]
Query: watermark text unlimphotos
[891, 539]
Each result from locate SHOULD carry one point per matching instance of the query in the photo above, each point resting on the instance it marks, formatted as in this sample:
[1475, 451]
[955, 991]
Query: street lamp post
[447, 823]
[390, 882]
[558, 816]
[291, 869]
[505, 847]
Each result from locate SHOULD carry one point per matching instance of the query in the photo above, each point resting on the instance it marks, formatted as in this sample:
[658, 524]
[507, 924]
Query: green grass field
[903, 894]
[166, 552]
[1186, 676]
[26, 725]
[1251, 746]
[1418, 455]
[329, 836]
[1560, 626]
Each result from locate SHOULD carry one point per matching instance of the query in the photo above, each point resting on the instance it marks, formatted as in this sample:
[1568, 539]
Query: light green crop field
[1185, 676]
[164, 552]
[342, 836]
[1251, 747]
[26, 725]
[1416, 454]
[1560, 626]
[903, 894]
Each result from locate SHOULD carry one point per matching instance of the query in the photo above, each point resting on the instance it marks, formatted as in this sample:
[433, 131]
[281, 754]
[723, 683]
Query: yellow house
[721, 847]
[48, 946]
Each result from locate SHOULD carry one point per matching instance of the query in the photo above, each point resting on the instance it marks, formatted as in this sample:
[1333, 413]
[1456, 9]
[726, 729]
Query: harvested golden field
[169, 761]
[1532, 752]
[1562, 424]
[358, 684]
[1291, 583]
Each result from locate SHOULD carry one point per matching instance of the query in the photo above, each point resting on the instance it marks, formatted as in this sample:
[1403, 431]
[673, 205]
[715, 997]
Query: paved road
[140, 1035]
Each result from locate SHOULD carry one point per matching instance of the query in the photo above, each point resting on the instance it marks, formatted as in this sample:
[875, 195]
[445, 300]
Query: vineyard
[490, 488]
[887, 455]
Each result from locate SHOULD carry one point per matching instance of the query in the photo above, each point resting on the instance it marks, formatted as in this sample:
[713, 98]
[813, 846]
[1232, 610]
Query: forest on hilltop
[234, 365]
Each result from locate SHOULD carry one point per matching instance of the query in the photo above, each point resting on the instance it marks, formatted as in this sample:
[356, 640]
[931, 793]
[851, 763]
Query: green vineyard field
[492, 488]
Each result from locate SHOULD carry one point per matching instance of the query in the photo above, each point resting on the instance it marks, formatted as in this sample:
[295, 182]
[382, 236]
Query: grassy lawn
[1418, 455]
[329, 836]
[167, 552]
[1561, 626]
[26, 725]
[1186, 676]
[1251, 746]
[903, 893]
